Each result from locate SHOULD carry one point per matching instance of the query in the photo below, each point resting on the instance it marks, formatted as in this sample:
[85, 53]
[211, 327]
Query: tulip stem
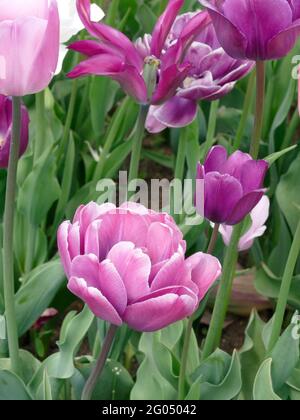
[285, 289]
[184, 359]
[100, 364]
[137, 144]
[259, 110]
[245, 113]
[213, 239]
[8, 235]
[211, 130]
[219, 313]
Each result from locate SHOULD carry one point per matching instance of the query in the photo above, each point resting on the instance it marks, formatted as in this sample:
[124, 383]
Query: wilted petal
[177, 112]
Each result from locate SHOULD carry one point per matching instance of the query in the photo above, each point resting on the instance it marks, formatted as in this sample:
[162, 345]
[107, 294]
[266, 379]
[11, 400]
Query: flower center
[188, 81]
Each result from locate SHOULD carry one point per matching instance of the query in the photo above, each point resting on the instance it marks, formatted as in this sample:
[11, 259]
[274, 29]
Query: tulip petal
[283, 42]
[95, 300]
[244, 207]
[161, 310]
[114, 67]
[205, 271]
[253, 175]
[163, 26]
[222, 193]
[232, 40]
[216, 159]
[152, 124]
[177, 112]
[160, 242]
[109, 35]
[134, 268]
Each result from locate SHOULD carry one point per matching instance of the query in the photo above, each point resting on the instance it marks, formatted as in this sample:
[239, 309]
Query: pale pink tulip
[29, 45]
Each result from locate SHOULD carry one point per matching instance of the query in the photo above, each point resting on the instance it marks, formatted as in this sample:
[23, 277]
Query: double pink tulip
[128, 264]
[29, 45]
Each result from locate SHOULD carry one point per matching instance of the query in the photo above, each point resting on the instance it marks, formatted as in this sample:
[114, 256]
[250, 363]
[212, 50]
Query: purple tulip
[191, 65]
[255, 29]
[128, 265]
[232, 186]
[6, 130]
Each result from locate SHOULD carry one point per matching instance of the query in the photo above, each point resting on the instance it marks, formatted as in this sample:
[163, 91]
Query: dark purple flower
[190, 63]
[233, 185]
[255, 29]
[6, 130]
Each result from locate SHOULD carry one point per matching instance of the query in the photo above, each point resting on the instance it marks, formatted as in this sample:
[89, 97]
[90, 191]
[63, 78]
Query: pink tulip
[29, 45]
[6, 130]
[259, 215]
[128, 264]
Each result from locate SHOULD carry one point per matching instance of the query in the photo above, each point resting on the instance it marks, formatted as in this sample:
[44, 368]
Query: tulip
[6, 130]
[256, 29]
[182, 51]
[29, 44]
[232, 186]
[258, 217]
[70, 25]
[128, 264]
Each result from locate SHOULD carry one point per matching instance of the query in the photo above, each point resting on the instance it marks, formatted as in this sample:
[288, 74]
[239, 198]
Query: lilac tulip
[6, 130]
[128, 265]
[255, 29]
[29, 45]
[259, 215]
[232, 186]
[190, 64]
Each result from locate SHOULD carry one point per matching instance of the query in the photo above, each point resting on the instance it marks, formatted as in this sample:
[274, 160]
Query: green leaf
[47, 392]
[220, 378]
[251, 354]
[2, 327]
[12, 388]
[288, 194]
[37, 293]
[277, 155]
[115, 382]
[40, 190]
[263, 387]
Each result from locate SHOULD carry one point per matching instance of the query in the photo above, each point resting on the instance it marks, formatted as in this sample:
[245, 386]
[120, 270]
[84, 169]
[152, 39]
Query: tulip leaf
[115, 382]
[263, 387]
[37, 292]
[220, 378]
[40, 190]
[288, 194]
[12, 388]
[2, 327]
[271, 159]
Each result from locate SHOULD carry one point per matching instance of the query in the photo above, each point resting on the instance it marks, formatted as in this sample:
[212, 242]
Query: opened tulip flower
[70, 25]
[128, 265]
[255, 29]
[258, 217]
[6, 130]
[184, 53]
[29, 44]
[233, 185]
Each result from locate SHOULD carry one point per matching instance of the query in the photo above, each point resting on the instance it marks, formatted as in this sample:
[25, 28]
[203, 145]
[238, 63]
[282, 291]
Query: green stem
[285, 289]
[211, 130]
[216, 325]
[8, 234]
[137, 143]
[246, 111]
[40, 124]
[291, 129]
[184, 359]
[63, 146]
[259, 110]
[181, 154]
[96, 372]
[111, 137]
